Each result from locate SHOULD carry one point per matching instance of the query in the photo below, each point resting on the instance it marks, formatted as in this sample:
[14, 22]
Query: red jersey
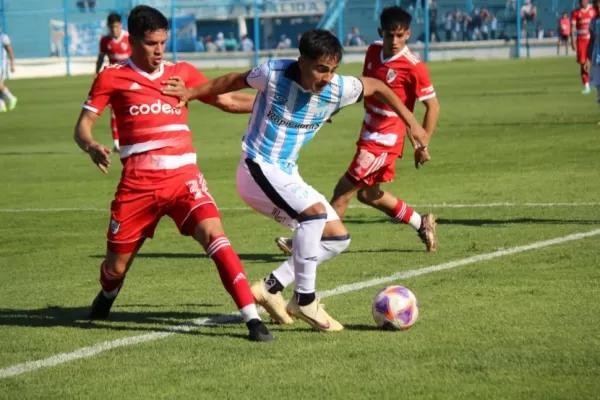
[564, 26]
[582, 17]
[156, 143]
[116, 49]
[409, 78]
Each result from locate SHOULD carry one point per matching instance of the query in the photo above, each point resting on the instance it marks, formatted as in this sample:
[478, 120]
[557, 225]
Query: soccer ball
[395, 308]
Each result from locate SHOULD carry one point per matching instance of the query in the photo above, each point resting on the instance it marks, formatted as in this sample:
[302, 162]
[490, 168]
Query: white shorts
[268, 189]
[595, 75]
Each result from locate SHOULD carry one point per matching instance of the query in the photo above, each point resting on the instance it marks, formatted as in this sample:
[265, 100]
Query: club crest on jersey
[114, 226]
[280, 99]
[391, 75]
[124, 46]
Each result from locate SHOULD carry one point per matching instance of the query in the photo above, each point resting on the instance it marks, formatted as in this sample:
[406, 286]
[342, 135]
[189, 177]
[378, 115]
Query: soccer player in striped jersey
[592, 65]
[295, 99]
[381, 140]
[160, 176]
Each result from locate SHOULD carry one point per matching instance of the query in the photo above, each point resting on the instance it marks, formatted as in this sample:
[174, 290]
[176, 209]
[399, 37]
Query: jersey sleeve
[423, 87]
[100, 93]
[352, 90]
[574, 17]
[5, 40]
[258, 77]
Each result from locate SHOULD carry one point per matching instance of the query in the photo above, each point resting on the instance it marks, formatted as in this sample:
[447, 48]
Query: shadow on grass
[185, 322]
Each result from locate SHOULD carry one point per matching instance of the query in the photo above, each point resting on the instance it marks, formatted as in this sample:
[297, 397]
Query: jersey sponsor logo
[391, 75]
[277, 120]
[155, 108]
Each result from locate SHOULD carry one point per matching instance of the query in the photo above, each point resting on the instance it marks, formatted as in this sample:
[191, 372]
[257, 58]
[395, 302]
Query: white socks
[306, 248]
[249, 313]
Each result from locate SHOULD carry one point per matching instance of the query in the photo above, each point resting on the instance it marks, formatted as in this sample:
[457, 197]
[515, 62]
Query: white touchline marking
[108, 345]
[434, 205]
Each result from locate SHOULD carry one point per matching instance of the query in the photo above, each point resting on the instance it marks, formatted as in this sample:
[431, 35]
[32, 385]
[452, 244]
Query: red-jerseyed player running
[116, 46]
[580, 25]
[381, 139]
[160, 176]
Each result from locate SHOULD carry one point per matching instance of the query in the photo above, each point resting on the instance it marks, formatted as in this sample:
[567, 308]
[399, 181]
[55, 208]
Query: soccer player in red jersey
[564, 33]
[580, 24]
[381, 139]
[116, 46]
[159, 176]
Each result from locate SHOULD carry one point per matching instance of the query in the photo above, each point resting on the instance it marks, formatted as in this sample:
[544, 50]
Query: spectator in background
[448, 24]
[200, 47]
[353, 38]
[210, 46]
[284, 43]
[220, 42]
[8, 101]
[528, 15]
[458, 25]
[539, 31]
[231, 43]
[493, 26]
[564, 31]
[247, 44]
[433, 23]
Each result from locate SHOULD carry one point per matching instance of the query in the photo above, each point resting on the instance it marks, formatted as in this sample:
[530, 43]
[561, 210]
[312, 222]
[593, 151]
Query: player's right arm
[101, 55]
[375, 87]
[99, 97]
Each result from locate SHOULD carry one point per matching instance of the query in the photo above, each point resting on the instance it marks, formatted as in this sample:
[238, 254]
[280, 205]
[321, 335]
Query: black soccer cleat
[258, 332]
[101, 306]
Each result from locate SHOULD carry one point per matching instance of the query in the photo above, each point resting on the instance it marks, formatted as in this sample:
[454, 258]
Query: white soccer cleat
[274, 304]
[315, 315]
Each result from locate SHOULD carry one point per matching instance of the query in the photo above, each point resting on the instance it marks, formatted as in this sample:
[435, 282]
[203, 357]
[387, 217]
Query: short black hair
[317, 43]
[393, 18]
[145, 19]
[113, 18]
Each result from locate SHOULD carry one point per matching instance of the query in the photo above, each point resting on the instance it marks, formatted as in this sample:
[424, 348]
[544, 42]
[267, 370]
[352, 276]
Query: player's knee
[117, 264]
[368, 195]
[335, 245]
[207, 231]
[316, 210]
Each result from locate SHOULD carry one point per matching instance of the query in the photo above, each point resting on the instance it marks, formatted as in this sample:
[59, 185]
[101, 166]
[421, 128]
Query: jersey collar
[393, 58]
[152, 77]
[293, 73]
[120, 36]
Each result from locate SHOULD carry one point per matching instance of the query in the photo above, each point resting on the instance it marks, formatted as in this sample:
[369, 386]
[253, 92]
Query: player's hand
[12, 68]
[176, 88]
[573, 46]
[587, 66]
[100, 156]
[421, 157]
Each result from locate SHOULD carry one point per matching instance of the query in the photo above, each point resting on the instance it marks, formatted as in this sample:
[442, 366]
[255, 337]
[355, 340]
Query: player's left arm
[425, 93]
[11, 56]
[375, 87]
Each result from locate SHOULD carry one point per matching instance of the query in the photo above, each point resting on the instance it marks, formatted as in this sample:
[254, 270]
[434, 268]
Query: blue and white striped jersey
[595, 30]
[285, 116]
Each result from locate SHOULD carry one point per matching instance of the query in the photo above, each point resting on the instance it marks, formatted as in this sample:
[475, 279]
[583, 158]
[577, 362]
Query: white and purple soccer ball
[395, 308]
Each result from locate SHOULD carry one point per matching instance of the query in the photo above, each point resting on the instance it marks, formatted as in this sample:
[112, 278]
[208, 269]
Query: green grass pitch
[522, 326]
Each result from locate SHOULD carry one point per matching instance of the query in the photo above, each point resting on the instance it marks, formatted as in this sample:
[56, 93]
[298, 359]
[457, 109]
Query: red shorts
[135, 213]
[582, 51]
[370, 167]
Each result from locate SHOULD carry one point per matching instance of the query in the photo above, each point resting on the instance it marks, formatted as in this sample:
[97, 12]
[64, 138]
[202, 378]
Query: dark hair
[145, 19]
[113, 18]
[393, 18]
[317, 43]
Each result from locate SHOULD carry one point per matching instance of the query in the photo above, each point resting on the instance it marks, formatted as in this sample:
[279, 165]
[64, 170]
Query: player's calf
[209, 233]
[111, 281]
[344, 191]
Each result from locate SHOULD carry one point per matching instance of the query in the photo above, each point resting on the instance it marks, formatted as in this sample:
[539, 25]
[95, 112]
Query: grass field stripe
[433, 205]
[108, 345]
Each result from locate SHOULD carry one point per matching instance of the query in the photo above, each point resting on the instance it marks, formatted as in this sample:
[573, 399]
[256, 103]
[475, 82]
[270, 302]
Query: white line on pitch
[108, 345]
[434, 205]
